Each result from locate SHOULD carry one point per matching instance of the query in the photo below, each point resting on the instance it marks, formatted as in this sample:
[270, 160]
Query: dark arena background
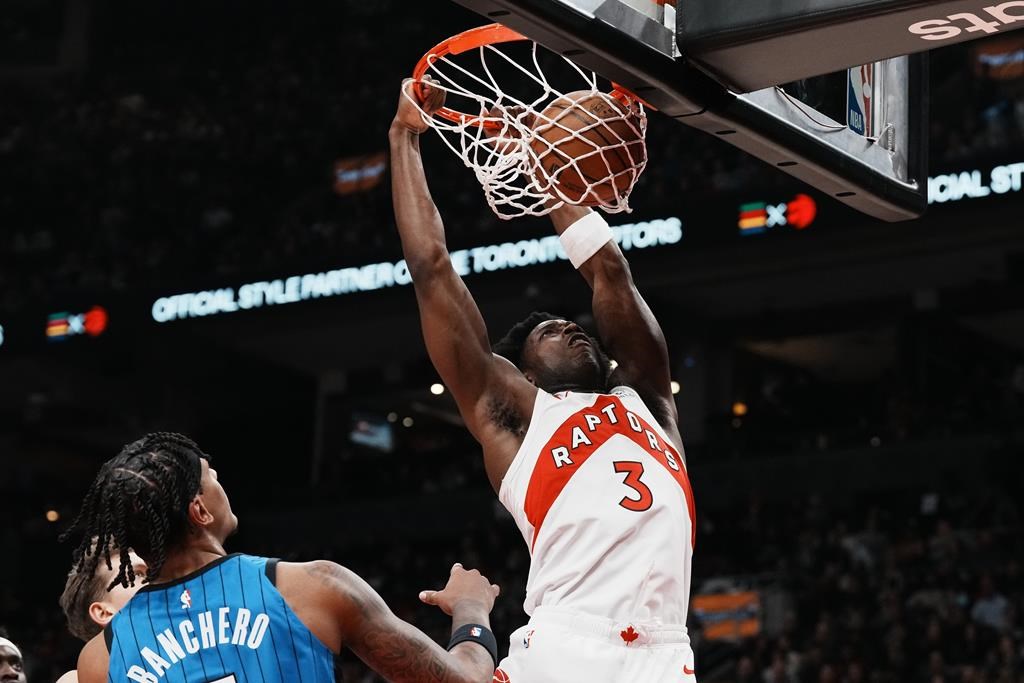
[179, 180]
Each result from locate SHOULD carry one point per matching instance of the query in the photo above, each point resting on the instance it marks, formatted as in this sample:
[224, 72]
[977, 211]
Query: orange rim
[474, 38]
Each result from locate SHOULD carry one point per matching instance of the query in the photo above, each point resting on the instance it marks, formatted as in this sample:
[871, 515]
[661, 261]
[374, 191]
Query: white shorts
[569, 647]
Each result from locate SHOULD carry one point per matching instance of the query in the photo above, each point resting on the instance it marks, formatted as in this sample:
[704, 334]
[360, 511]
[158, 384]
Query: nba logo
[475, 632]
[527, 639]
[186, 599]
[859, 99]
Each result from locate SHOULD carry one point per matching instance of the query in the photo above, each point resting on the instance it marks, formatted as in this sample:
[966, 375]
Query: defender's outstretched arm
[350, 613]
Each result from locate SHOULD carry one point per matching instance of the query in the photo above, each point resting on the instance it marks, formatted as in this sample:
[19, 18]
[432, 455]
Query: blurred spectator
[991, 609]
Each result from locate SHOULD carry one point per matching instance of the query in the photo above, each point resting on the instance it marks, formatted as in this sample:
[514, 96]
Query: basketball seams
[568, 161]
[578, 130]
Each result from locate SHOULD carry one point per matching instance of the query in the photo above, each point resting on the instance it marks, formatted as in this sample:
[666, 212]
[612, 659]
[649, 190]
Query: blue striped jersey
[225, 623]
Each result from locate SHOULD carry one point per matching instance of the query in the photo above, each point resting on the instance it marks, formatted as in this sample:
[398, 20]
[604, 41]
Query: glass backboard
[857, 135]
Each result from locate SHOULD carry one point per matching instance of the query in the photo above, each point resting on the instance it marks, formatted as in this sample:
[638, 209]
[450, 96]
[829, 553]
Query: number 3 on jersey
[633, 470]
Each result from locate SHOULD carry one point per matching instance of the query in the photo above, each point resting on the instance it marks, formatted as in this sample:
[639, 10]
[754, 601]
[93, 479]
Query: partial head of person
[12, 664]
[158, 496]
[87, 602]
[556, 354]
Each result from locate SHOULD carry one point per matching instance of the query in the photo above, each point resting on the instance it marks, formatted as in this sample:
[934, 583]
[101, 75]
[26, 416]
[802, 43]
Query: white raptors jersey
[603, 500]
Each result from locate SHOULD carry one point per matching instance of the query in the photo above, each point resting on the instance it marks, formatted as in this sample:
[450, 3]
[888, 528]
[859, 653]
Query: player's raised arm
[350, 614]
[453, 328]
[626, 325]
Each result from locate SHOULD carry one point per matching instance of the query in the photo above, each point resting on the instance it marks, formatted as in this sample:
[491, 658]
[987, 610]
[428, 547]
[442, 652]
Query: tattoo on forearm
[391, 647]
[400, 658]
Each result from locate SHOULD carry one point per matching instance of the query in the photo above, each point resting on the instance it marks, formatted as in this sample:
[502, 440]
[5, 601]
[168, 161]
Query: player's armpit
[458, 346]
[391, 647]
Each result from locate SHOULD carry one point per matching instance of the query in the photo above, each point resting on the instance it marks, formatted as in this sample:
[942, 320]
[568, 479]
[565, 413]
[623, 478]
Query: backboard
[859, 136]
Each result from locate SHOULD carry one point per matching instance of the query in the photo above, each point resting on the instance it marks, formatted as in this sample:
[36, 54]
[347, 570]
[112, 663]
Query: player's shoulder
[318, 587]
[93, 661]
[632, 398]
[313, 568]
[316, 576]
[320, 577]
[625, 391]
[69, 677]
[661, 408]
[322, 594]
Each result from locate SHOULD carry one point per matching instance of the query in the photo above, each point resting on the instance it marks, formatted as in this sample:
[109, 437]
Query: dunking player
[87, 604]
[588, 461]
[204, 615]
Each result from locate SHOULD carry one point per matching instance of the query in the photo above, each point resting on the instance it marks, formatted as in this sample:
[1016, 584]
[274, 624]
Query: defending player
[588, 461]
[90, 601]
[204, 615]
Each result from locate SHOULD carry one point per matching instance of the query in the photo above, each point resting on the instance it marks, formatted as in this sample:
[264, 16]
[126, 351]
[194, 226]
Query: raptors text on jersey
[603, 500]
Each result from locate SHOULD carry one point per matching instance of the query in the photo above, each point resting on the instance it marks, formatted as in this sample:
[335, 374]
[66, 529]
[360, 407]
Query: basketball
[589, 148]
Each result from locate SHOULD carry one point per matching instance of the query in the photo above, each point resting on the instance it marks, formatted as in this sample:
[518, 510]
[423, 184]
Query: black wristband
[479, 634]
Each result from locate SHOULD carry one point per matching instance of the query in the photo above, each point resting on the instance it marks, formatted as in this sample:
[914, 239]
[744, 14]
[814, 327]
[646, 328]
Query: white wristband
[585, 237]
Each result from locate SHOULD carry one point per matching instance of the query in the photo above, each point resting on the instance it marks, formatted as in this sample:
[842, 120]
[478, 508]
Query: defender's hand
[465, 589]
[408, 115]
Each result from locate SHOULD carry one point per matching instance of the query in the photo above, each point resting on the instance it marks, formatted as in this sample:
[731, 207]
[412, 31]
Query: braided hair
[138, 500]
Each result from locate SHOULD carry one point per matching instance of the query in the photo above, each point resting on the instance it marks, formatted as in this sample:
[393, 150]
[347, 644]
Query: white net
[531, 157]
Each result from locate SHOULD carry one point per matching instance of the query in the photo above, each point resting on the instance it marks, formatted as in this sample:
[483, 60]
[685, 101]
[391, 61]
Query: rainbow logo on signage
[753, 218]
[60, 326]
[758, 217]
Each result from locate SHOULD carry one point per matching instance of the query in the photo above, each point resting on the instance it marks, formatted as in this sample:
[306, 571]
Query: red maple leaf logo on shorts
[629, 635]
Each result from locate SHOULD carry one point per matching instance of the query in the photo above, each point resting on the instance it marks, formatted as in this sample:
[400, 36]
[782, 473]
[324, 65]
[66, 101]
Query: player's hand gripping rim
[411, 107]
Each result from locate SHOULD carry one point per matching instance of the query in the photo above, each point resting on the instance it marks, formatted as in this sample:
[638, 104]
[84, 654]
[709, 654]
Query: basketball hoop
[503, 138]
